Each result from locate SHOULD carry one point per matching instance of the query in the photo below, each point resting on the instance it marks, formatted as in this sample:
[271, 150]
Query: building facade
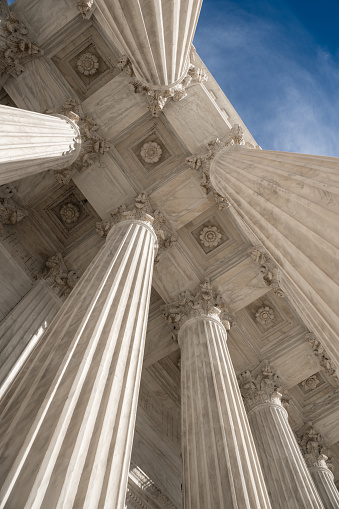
[169, 299]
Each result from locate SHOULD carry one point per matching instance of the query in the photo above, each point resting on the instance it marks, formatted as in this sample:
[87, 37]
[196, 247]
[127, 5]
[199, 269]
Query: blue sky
[278, 63]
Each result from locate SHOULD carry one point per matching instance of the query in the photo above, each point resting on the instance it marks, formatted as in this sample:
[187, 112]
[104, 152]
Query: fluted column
[156, 36]
[67, 421]
[220, 464]
[316, 457]
[22, 328]
[290, 202]
[34, 142]
[287, 478]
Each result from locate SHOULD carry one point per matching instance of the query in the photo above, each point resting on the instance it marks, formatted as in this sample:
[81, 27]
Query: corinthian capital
[202, 162]
[312, 446]
[141, 210]
[203, 301]
[260, 386]
[16, 48]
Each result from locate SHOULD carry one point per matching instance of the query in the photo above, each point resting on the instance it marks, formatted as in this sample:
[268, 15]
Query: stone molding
[158, 97]
[16, 48]
[324, 360]
[141, 210]
[312, 446]
[202, 162]
[10, 212]
[262, 386]
[271, 274]
[93, 146]
[58, 276]
[203, 302]
[142, 492]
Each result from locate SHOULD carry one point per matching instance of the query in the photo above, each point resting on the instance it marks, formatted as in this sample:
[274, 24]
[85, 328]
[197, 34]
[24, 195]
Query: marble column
[288, 480]
[316, 457]
[220, 465]
[22, 328]
[67, 420]
[33, 142]
[290, 203]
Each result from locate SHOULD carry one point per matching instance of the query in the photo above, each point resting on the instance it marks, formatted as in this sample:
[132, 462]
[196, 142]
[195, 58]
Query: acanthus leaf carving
[10, 212]
[268, 269]
[85, 7]
[93, 146]
[157, 98]
[57, 275]
[260, 386]
[312, 446]
[324, 359]
[141, 210]
[15, 46]
[203, 301]
[202, 162]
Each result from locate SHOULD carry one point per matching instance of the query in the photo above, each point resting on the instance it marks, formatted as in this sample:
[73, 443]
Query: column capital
[15, 46]
[271, 274]
[324, 359]
[203, 302]
[141, 210]
[262, 386]
[314, 450]
[10, 212]
[202, 162]
[158, 96]
[58, 276]
[85, 7]
[90, 146]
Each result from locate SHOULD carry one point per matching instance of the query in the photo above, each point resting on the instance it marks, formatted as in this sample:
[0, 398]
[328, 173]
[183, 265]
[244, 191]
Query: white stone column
[315, 454]
[220, 465]
[67, 421]
[22, 328]
[33, 142]
[288, 480]
[290, 203]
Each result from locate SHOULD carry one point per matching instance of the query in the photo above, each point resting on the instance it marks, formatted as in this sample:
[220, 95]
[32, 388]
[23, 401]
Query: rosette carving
[88, 64]
[262, 386]
[210, 236]
[151, 152]
[264, 315]
[141, 210]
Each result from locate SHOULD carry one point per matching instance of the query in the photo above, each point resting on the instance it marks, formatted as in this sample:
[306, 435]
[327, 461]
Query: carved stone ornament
[310, 383]
[312, 446]
[10, 212]
[57, 275]
[210, 236]
[15, 47]
[264, 315]
[88, 64]
[324, 359]
[93, 146]
[202, 162]
[157, 98]
[138, 484]
[268, 269]
[86, 8]
[262, 386]
[151, 152]
[69, 213]
[203, 301]
[141, 210]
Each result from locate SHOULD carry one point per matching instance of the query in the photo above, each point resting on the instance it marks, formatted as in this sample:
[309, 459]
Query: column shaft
[220, 464]
[287, 477]
[22, 328]
[67, 421]
[32, 142]
[290, 202]
[324, 482]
